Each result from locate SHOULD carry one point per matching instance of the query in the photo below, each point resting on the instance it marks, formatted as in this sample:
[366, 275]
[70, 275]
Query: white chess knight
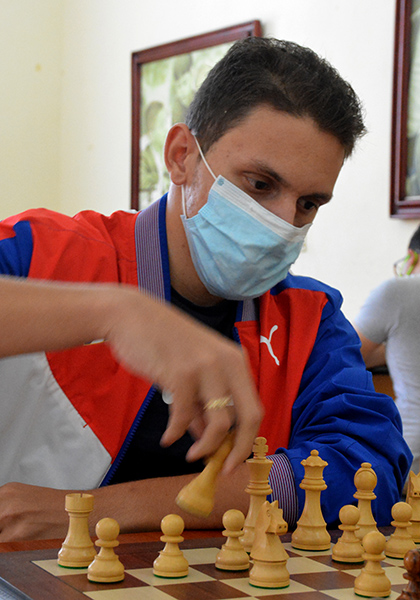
[267, 341]
[268, 554]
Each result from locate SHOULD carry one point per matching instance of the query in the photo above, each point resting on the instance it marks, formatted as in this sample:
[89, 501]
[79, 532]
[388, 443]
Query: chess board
[35, 575]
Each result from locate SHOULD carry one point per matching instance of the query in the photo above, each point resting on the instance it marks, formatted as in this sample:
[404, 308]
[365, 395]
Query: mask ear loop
[183, 201]
[208, 168]
[204, 159]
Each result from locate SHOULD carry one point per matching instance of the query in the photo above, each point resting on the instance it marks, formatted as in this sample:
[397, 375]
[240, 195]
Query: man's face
[286, 163]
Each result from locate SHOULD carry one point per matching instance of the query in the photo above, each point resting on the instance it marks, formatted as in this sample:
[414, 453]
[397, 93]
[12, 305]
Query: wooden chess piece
[77, 550]
[372, 581]
[400, 542]
[365, 481]
[413, 499]
[348, 548]
[106, 567]
[232, 556]
[311, 531]
[258, 488]
[412, 565]
[268, 554]
[171, 562]
[197, 497]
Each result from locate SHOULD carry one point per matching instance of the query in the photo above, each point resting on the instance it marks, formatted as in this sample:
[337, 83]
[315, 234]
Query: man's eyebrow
[264, 168]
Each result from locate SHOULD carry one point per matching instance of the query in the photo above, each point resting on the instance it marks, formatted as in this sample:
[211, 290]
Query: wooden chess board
[35, 575]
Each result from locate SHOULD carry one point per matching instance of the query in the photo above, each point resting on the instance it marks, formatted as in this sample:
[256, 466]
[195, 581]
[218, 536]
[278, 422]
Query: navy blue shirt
[145, 458]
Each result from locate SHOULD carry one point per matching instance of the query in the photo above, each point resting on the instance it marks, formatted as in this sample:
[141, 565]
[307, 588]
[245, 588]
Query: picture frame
[405, 155]
[164, 79]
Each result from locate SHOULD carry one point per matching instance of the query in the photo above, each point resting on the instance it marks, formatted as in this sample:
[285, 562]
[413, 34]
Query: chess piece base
[266, 574]
[372, 586]
[311, 538]
[76, 558]
[106, 579]
[170, 566]
[105, 570]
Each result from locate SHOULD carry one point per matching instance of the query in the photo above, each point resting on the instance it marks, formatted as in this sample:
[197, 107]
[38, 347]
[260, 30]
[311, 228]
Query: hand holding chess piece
[106, 567]
[197, 497]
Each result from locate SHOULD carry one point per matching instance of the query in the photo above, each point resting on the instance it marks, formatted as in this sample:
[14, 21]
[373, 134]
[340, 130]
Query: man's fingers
[218, 424]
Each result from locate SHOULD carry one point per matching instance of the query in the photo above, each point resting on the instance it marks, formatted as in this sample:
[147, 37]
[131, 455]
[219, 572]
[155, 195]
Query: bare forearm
[149, 338]
[40, 316]
[141, 505]
[373, 354]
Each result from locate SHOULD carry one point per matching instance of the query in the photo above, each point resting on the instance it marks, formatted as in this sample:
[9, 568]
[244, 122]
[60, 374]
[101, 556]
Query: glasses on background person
[405, 266]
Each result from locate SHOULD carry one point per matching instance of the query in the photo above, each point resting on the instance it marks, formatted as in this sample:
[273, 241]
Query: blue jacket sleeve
[16, 245]
[338, 413]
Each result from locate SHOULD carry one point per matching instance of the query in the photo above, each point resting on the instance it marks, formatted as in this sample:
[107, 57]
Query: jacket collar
[153, 259]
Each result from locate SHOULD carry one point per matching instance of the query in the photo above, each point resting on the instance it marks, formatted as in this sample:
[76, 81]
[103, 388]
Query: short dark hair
[415, 241]
[281, 74]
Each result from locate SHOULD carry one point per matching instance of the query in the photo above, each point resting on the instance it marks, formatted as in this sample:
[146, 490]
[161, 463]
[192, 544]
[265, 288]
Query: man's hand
[30, 512]
[194, 365]
[153, 340]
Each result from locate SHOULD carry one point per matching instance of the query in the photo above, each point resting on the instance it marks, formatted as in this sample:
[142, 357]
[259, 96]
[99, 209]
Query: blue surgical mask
[239, 249]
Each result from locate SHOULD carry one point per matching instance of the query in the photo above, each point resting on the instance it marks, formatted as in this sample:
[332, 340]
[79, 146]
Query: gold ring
[218, 403]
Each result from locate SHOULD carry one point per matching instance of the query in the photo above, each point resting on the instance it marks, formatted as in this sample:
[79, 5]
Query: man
[389, 328]
[259, 154]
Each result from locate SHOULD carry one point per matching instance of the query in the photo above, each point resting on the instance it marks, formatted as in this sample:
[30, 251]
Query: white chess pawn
[171, 562]
[106, 567]
[400, 542]
[372, 581]
[348, 548]
[232, 556]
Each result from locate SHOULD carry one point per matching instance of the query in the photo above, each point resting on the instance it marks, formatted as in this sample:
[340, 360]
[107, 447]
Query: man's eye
[258, 184]
[308, 205]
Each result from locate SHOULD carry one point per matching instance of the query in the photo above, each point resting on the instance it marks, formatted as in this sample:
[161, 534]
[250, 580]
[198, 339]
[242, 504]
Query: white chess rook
[77, 549]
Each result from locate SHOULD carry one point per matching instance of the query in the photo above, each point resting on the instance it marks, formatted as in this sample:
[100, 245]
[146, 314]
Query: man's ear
[179, 153]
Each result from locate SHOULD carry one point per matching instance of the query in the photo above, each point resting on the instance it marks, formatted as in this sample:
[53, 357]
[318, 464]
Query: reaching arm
[31, 512]
[152, 340]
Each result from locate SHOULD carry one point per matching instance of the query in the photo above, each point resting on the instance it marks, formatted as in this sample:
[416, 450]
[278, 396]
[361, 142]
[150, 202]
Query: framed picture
[405, 165]
[164, 80]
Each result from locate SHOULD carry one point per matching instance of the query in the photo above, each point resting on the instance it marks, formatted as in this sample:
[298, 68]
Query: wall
[353, 243]
[30, 64]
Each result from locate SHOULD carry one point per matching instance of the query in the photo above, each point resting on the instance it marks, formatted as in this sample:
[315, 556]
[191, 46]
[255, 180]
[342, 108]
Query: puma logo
[264, 340]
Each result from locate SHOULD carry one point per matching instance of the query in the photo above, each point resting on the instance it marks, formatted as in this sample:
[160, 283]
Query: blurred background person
[389, 328]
